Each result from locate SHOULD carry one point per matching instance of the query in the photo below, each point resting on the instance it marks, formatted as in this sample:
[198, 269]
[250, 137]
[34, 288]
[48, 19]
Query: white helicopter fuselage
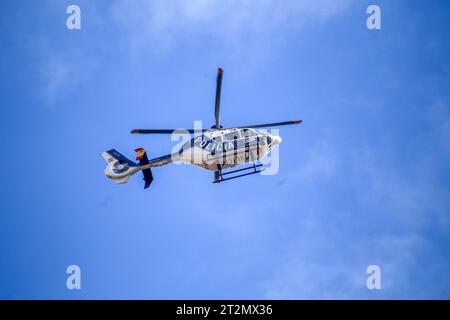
[215, 149]
[219, 149]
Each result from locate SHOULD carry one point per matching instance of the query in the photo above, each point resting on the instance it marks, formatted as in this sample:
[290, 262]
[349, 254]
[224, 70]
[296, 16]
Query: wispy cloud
[243, 32]
[62, 73]
[394, 211]
[244, 27]
[56, 76]
[331, 269]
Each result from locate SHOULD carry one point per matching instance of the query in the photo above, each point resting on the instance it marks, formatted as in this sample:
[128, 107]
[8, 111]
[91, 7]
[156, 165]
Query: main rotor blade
[218, 92]
[275, 124]
[166, 131]
[170, 131]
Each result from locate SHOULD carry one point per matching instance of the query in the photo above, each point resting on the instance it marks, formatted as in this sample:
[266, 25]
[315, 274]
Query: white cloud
[62, 73]
[320, 164]
[241, 26]
[394, 212]
[244, 32]
[56, 77]
[326, 270]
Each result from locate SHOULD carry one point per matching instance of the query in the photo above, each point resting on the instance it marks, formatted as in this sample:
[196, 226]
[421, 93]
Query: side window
[233, 135]
[249, 133]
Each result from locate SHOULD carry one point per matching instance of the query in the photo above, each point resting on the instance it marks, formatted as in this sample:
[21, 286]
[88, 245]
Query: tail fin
[141, 155]
[119, 167]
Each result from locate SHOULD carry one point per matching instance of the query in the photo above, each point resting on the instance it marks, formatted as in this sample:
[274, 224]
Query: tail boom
[119, 168]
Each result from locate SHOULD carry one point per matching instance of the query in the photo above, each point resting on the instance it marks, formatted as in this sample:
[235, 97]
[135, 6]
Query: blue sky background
[364, 180]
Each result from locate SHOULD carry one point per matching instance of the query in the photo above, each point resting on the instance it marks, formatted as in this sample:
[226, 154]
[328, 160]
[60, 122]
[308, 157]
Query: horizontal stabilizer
[113, 154]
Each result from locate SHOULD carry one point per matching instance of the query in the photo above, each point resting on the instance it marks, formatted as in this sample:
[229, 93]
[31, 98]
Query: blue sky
[364, 180]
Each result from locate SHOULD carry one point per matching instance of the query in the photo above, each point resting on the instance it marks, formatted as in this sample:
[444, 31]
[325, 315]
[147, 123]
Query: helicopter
[213, 149]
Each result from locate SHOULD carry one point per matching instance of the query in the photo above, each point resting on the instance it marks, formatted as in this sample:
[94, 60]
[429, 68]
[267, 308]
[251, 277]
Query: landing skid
[219, 175]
